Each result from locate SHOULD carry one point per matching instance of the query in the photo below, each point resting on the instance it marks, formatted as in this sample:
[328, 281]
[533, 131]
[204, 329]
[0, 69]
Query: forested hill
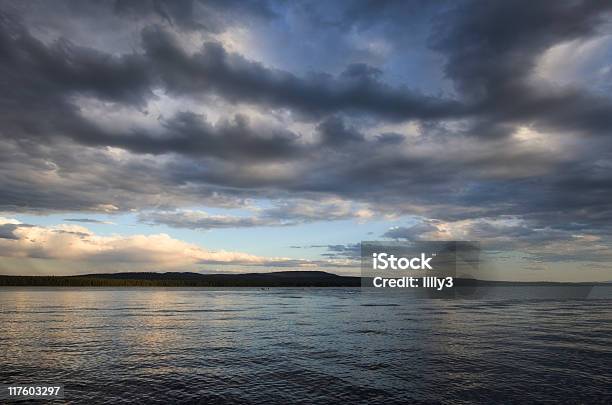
[275, 279]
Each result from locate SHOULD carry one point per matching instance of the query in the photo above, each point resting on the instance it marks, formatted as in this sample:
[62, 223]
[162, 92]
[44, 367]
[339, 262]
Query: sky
[246, 136]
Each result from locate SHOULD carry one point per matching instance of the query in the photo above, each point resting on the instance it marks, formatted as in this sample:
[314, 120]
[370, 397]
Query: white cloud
[4, 220]
[158, 251]
[578, 61]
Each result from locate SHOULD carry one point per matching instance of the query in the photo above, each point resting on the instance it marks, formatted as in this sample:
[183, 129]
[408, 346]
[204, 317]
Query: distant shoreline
[274, 279]
[173, 279]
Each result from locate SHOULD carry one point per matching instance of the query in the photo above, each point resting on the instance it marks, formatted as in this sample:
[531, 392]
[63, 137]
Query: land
[175, 279]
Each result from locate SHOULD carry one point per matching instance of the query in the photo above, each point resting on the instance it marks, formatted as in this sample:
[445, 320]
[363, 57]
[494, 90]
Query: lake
[295, 345]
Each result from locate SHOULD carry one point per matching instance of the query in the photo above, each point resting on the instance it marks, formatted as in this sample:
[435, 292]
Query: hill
[274, 279]
[151, 279]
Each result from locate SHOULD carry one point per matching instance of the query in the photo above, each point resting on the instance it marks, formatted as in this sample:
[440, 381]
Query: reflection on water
[303, 345]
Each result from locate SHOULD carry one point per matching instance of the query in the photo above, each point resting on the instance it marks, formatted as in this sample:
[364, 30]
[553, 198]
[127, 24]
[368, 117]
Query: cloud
[326, 209]
[193, 14]
[284, 213]
[148, 108]
[418, 231]
[202, 220]
[74, 242]
[61, 68]
[506, 234]
[7, 231]
[59, 72]
[238, 79]
[493, 69]
[349, 251]
[88, 221]
[157, 251]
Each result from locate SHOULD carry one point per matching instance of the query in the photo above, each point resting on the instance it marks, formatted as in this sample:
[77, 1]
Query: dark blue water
[304, 346]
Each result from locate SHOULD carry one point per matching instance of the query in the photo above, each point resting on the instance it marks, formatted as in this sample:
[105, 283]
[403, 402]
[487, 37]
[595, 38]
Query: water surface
[289, 345]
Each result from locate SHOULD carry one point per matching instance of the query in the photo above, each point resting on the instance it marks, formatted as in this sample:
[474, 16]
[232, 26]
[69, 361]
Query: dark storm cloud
[207, 15]
[36, 73]
[492, 49]
[52, 74]
[190, 134]
[463, 164]
[238, 79]
[67, 177]
[180, 12]
[49, 98]
[334, 132]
